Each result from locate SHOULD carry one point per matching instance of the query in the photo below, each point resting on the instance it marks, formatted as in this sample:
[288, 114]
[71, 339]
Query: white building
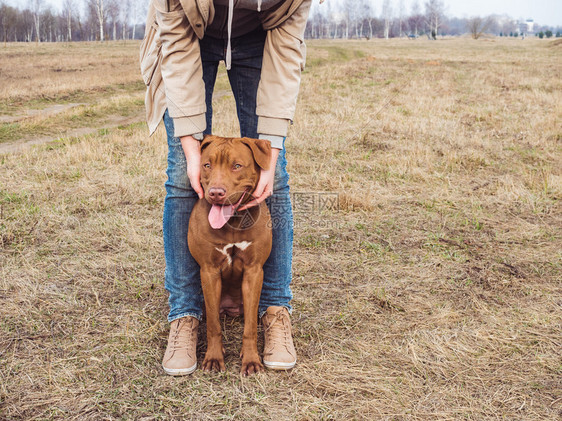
[530, 26]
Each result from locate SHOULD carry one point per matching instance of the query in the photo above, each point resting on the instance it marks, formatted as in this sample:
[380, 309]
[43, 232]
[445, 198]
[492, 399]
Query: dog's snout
[217, 193]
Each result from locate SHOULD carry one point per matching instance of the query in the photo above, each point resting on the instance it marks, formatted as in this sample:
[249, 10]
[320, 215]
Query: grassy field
[432, 291]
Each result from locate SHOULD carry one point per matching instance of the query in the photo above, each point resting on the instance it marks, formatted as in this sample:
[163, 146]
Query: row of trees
[359, 19]
[89, 20]
[79, 20]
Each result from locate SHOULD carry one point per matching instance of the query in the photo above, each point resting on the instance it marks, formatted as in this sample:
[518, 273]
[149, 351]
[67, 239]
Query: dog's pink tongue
[219, 215]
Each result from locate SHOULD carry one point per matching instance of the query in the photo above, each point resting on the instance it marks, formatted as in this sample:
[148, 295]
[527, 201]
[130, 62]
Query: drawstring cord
[228, 60]
[228, 47]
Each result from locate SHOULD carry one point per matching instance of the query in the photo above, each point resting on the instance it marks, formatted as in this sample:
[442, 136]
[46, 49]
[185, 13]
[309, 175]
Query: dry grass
[64, 89]
[52, 90]
[433, 293]
[60, 71]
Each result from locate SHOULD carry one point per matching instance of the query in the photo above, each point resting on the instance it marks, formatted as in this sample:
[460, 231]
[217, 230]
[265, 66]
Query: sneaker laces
[278, 335]
[180, 338]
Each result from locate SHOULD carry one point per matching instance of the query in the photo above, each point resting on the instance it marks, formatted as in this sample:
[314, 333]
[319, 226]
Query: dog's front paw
[213, 362]
[251, 365]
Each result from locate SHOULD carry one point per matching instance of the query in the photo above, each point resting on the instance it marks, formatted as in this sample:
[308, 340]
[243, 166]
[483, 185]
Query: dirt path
[110, 123]
[45, 112]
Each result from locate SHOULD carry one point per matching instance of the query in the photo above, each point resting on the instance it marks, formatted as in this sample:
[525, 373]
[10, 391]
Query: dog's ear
[207, 141]
[261, 149]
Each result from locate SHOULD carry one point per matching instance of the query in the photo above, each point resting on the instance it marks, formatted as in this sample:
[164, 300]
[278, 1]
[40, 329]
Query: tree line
[100, 20]
[359, 19]
[78, 20]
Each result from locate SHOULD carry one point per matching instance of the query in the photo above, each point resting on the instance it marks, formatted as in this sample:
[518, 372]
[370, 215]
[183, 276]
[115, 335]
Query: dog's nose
[217, 193]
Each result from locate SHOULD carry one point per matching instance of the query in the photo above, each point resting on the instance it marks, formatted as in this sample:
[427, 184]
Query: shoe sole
[279, 366]
[180, 371]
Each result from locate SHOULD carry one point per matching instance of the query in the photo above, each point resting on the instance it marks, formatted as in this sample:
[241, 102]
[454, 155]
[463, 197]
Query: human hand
[264, 188]
[192, 150]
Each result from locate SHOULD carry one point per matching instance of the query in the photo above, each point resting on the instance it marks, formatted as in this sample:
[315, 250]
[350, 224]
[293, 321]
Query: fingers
[260, 188]
[258, 200]
[263, 190]
[258, 194]
[199, 190]
[195, 181]
[248, 205]
[196, 185]
[191, 149]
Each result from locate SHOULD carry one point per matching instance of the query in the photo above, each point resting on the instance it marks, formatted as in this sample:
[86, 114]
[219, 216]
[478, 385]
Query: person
[261, 43]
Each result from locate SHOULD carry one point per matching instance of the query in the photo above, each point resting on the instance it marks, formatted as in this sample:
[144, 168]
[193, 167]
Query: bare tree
[478, 25]
[387, 17]
[125, 14]
[369, 14]
[48, 25]
[138, 9]
[316, 22]
[36, 7]
[356, 13]
[329, 21]
[68, 10]
[348, 6]
[26, 25]
[416, 19]
[434, 13]
[113, 11]
[98, 8]
[334, 19]
[401, 14]
[356, 16]
[8, 16]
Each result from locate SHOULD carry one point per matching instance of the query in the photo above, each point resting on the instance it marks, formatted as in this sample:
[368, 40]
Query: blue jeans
[182, 279]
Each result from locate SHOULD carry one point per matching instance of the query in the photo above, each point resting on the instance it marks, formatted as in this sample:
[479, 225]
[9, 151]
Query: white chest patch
[242, 245]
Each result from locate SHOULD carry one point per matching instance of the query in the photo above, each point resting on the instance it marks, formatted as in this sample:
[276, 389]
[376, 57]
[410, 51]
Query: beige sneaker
[179, 358]
[278, 352]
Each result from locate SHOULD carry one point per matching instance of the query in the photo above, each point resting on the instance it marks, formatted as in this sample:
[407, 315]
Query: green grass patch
[334, 54]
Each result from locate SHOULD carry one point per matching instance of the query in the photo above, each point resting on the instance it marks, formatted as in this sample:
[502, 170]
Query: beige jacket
[171, 64]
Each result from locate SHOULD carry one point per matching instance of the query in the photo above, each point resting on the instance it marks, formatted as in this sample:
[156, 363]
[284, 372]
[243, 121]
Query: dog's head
[230, 171]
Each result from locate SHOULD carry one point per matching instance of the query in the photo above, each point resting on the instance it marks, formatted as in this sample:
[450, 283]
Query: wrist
[190, 146]
[274, 154]
[273, 160]
[189, 141]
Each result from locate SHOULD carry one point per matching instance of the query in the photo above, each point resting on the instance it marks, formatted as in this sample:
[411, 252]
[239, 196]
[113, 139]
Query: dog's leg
[252, 281]
[214, 357]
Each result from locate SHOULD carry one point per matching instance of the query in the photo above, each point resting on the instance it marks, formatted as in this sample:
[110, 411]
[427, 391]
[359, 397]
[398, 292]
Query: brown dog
[231, 247]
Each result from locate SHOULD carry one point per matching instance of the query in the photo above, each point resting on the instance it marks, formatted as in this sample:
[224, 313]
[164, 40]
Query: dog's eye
[207, 166]
[237, 166]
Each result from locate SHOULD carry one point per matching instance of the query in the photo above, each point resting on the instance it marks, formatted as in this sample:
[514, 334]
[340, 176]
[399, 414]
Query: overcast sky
[544, 12]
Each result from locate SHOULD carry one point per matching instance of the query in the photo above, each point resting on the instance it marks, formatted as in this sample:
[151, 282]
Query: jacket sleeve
[283, 59]
[181, 68]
